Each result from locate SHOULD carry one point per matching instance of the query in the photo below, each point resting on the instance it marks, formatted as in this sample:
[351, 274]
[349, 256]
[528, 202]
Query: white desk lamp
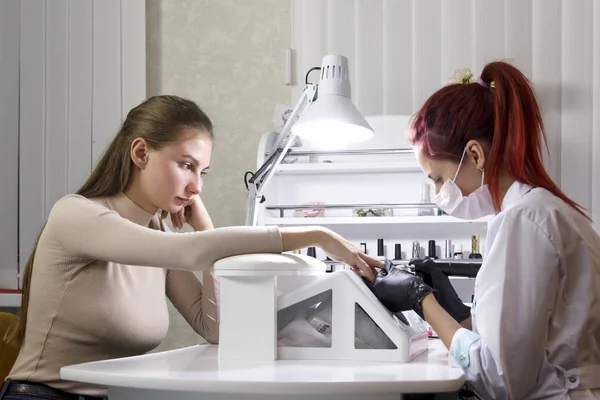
[324, 113]
[256, 287]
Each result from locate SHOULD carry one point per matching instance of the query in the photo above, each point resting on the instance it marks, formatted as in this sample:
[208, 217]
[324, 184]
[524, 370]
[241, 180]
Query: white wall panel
[488, 37]
[518, 34]
[133, 55]
[339, 31]
[32, 131]
[554, 42]
[57, 83]
[106, 78]
[577, 58]
[70, 70]
[426, 51]
[368, 68]
[397, 67]
[9, 150]
[596, 115]
[308, 33]
[546, 75]
[457, 37]
[79, 158]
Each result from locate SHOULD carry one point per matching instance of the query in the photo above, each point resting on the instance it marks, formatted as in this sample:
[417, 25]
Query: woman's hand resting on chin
[193, 213]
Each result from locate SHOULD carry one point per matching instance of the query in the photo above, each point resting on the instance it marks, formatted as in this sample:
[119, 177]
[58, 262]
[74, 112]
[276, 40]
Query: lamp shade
[332, 118]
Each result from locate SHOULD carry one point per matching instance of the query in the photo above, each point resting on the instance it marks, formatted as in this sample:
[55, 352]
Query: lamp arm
[284, 139]
[308, 96]
[280, 149]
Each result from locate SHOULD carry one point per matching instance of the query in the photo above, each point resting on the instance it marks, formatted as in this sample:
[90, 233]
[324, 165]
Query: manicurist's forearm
[441, 322]
[467, 324]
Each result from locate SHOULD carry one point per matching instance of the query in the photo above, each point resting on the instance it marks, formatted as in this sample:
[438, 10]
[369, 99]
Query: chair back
[8, 351]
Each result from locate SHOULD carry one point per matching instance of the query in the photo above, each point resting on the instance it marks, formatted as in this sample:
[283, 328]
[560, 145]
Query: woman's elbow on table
[208, 328]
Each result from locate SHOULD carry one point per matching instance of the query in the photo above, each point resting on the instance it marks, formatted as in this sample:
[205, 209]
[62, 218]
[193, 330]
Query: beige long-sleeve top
[101, 275]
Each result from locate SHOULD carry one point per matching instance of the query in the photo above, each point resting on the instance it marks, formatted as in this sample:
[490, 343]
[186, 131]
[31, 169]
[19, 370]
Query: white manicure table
[249, 364]
[196, 373]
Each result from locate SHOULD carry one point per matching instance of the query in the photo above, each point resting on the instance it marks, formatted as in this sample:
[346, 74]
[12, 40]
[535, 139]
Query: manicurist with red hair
[534, 328]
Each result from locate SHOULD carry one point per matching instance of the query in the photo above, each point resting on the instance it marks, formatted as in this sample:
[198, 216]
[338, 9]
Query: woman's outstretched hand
[339, 249]
[334, 245]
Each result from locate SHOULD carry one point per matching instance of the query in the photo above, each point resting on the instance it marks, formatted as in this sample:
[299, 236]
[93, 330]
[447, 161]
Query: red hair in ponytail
[507, 118]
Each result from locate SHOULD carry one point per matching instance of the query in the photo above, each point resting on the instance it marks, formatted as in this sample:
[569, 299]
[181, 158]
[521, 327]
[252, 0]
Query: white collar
[514, 193]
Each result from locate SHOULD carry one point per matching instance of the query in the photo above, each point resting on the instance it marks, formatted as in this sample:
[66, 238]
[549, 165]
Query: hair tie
[465, 75]
[482, 83]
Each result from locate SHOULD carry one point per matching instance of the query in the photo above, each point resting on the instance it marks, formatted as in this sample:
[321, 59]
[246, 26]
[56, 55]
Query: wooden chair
[8, 351]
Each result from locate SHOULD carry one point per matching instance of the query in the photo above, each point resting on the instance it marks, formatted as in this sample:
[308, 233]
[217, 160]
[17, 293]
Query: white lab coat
[536, 314]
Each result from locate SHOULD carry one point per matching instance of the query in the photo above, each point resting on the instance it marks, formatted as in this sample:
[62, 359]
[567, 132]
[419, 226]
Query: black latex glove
[448, 298]
[400, 290]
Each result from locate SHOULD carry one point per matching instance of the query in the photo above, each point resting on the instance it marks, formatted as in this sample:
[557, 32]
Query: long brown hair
[502, 111]
[158, 121]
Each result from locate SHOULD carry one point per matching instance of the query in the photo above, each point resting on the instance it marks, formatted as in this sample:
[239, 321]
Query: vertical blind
[401, 51]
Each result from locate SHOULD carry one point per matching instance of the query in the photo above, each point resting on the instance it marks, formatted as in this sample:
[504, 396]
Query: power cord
[308, 73]
[246, 180]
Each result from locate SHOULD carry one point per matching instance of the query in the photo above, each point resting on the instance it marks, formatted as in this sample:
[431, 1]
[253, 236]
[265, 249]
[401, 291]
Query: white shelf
[347, 167]
[12, 300]
[407, 227]
[401, 220]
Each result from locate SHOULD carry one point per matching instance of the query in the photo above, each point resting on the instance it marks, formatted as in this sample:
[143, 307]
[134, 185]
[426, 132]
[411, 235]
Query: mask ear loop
[460, 163]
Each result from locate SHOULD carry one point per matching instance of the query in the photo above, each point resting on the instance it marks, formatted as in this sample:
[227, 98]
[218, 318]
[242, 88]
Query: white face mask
[476, 205]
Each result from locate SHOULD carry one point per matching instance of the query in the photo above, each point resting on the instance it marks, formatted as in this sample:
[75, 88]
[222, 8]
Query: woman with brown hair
[96, 283]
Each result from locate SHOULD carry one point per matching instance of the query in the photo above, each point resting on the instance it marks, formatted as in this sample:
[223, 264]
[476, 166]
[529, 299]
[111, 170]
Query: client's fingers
[182, 217]
[175, 220]
[372, 262]
[368, 270]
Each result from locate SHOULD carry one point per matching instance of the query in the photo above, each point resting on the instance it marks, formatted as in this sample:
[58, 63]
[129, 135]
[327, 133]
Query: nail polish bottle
[311, 252]
[448, 253]
[475, 254]
[416, 249]
[380, 250]
[397, 251]
[432, 253]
